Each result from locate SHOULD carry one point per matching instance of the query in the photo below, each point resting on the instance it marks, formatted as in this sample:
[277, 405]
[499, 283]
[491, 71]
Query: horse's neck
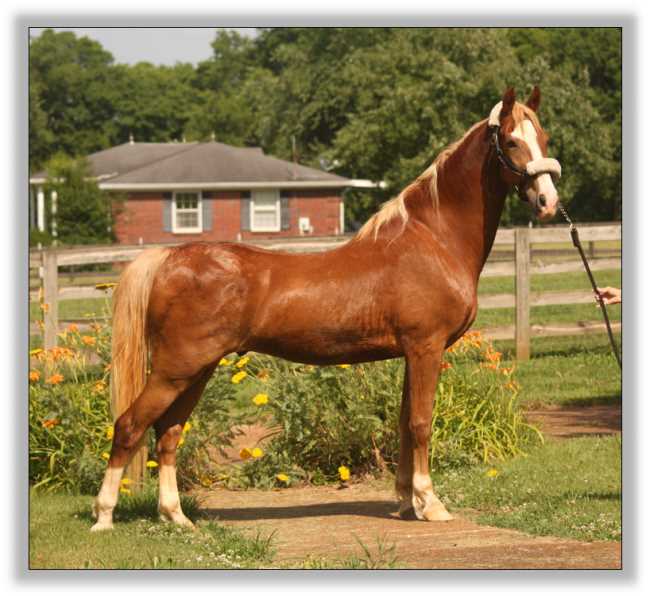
[471, 199]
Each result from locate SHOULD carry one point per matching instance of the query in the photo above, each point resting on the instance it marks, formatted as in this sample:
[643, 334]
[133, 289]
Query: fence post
[522, 293]
[50, 298]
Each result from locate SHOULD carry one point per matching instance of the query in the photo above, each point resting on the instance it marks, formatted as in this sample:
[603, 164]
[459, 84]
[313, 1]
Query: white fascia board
[237, 185]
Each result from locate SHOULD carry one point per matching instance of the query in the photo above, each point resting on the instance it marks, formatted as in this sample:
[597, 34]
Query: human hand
[609, 295]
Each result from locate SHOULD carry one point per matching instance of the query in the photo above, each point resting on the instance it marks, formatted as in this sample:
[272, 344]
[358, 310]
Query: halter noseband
[543, 165]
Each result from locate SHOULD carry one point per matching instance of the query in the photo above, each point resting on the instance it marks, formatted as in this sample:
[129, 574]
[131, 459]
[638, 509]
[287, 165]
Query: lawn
[569, 488]
[572, 370]
[60, 538]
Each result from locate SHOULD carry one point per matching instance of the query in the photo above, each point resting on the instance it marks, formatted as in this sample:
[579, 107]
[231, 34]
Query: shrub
[348, 415]
[324, 421]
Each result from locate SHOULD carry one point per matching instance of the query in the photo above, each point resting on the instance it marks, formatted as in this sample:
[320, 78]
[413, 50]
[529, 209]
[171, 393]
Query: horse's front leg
[423, 367]
[404, 476]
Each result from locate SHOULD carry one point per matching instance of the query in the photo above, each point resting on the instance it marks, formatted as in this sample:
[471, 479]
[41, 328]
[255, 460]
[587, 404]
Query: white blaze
[527, 133]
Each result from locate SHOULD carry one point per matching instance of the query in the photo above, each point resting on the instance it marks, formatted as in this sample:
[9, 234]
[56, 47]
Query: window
[186, 213]
[265, 211]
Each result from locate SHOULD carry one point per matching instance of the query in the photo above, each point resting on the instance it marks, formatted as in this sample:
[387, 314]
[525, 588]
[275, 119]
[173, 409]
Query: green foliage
[69, 413]
[326, 417]
[84, 213]
[379, 102]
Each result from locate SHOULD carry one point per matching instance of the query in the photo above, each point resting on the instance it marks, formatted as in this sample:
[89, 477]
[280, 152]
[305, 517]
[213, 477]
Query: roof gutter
[287, 184]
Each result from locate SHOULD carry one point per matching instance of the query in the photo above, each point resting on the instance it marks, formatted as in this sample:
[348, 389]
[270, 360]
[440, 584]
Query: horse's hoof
[101, 526]
[407, 513]
[436, 513]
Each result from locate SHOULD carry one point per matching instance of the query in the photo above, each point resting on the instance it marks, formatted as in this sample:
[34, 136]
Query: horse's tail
[130, 342]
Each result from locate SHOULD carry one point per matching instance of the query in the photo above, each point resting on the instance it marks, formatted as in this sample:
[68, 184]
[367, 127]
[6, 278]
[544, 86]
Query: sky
[156, 45]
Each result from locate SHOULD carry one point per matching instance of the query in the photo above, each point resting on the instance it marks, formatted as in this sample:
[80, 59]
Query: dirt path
[324, 521]
[568, 422]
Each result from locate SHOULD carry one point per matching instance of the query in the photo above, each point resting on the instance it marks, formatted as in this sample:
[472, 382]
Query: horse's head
[520, 144]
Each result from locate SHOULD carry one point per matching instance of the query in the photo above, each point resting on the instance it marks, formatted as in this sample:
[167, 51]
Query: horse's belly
[314, 347]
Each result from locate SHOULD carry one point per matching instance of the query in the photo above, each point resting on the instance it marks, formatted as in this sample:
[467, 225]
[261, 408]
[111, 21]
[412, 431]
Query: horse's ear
[534, 99]
[507, 102]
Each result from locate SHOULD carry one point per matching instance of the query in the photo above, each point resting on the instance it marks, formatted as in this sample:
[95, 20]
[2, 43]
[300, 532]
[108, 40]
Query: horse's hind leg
[158, 394]
[169, 429]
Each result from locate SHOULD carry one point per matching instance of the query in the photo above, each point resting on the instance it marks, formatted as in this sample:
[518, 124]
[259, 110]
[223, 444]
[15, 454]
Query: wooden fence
[520, 239]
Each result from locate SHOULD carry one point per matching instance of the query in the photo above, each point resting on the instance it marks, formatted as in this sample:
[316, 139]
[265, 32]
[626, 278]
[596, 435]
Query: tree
[84, 212]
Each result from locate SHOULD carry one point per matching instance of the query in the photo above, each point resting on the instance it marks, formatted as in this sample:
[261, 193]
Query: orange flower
[50, 423]
[34, 376]
[45, 307]
[54, 379]
[88, 340]
[444, 365]
[72, 328]
[493, 356]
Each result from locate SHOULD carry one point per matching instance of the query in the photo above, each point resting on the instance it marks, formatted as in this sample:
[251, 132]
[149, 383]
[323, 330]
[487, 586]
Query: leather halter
[534, 168]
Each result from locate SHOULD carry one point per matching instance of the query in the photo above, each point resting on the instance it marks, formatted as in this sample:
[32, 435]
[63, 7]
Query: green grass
[569, 488]
[60, 538]
[87, 308]
[563, 314]
[550, 282]
[573, 370]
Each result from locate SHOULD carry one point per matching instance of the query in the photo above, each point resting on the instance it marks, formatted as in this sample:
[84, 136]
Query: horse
[404, 286]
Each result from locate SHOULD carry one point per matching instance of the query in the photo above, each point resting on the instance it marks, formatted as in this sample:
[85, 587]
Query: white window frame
[176, 229]
[276, 208]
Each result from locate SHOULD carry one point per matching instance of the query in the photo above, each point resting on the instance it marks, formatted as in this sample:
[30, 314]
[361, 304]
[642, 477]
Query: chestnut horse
[405, 285]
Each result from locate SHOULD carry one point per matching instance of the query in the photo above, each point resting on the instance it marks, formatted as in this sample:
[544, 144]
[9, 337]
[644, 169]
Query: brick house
[211, 191]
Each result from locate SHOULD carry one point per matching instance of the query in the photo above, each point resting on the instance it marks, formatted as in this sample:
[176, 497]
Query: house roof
[204, 165]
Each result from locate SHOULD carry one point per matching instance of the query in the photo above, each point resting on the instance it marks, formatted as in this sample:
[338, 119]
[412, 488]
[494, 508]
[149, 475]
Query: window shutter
[206, 202]
[285, 214]
[245, 211]
[167, 212]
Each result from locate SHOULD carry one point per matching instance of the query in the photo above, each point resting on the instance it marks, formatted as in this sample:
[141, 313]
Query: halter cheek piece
[543, 165]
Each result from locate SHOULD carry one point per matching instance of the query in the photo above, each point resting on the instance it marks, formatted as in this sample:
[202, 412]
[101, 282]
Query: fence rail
[521, 239]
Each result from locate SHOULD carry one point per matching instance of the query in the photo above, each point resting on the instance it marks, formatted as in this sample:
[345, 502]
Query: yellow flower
[343, 365]
[245, 453]
[492, 473]
[109, 432]
[34, 376]
[260, 399]
[282, 478]
[125, 491]
[152, 464]
[105, 455]
[242, 362]
[105, 286]
[36, 352]
[54, 379]
[187, 427]
[125, 481]
[225, 362]
[88, 340]
[257, 452]
[344, 473]
[181, 441]
[239, 377]
[99, 386]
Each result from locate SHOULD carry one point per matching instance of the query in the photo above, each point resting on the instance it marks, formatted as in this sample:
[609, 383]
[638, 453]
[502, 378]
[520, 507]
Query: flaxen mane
[396, 207]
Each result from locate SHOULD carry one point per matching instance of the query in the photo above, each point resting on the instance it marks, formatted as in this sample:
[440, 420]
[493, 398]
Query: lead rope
[576, 242]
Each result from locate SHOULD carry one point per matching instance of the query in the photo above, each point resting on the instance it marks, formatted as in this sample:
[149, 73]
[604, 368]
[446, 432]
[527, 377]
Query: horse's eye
[511, 144]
